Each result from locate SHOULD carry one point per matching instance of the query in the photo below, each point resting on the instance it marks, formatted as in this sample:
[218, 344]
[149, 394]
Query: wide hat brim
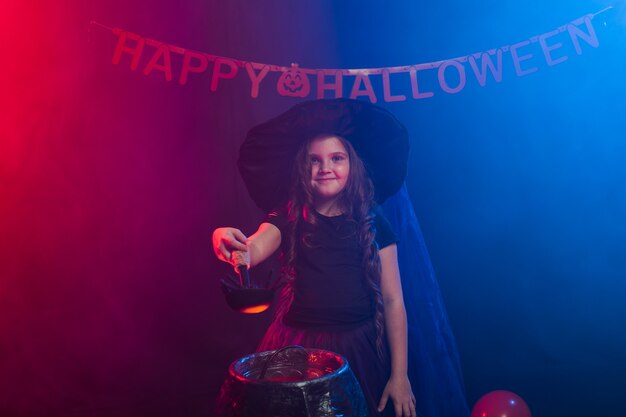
[267, 155]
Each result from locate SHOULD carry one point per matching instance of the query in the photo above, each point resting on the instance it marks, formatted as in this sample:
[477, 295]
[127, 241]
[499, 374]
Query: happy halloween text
[390, 84]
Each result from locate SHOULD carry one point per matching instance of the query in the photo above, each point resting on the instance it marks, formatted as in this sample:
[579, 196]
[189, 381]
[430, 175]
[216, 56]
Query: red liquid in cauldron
[291, 378]
[309, 374]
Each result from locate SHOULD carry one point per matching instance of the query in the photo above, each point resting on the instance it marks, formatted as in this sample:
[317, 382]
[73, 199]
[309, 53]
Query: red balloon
[501, 404]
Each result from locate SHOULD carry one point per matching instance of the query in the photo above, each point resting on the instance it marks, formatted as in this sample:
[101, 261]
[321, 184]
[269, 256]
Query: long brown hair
[356, 200]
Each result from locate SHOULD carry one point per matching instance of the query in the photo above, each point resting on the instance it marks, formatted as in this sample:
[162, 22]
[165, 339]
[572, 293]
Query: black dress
[333, 307]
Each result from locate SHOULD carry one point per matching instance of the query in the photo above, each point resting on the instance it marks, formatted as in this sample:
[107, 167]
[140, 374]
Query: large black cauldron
[291, 382]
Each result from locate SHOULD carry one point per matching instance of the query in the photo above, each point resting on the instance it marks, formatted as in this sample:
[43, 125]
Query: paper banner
[398, 83]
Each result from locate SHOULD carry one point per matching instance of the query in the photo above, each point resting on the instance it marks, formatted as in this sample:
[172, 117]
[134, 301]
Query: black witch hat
[267, 155]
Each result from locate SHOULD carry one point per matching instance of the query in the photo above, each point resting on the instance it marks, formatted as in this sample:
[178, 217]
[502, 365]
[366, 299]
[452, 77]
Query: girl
[339, 255]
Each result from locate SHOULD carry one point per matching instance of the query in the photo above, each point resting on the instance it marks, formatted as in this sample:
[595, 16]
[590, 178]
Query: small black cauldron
[291, 382]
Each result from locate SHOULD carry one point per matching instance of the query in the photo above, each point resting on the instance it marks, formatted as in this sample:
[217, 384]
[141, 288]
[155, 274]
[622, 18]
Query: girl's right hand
[226, 240]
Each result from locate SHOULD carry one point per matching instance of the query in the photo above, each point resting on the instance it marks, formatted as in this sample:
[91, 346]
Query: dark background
[111, 183]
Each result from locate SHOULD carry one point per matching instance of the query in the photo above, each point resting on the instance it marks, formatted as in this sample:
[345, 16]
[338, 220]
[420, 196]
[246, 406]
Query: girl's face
[330, 168]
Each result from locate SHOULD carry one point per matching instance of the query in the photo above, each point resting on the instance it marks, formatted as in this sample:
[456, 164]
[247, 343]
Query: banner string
[349, 71]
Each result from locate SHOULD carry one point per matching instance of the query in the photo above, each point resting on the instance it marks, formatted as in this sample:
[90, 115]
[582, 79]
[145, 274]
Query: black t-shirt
[330, 289]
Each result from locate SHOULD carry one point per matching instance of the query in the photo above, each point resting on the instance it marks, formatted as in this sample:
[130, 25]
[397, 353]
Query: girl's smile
[330, 169]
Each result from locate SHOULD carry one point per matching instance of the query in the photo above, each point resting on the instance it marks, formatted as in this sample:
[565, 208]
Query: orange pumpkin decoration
[293, 83]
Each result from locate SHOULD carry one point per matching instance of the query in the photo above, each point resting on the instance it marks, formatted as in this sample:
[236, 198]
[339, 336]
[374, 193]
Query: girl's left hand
[399, 390]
